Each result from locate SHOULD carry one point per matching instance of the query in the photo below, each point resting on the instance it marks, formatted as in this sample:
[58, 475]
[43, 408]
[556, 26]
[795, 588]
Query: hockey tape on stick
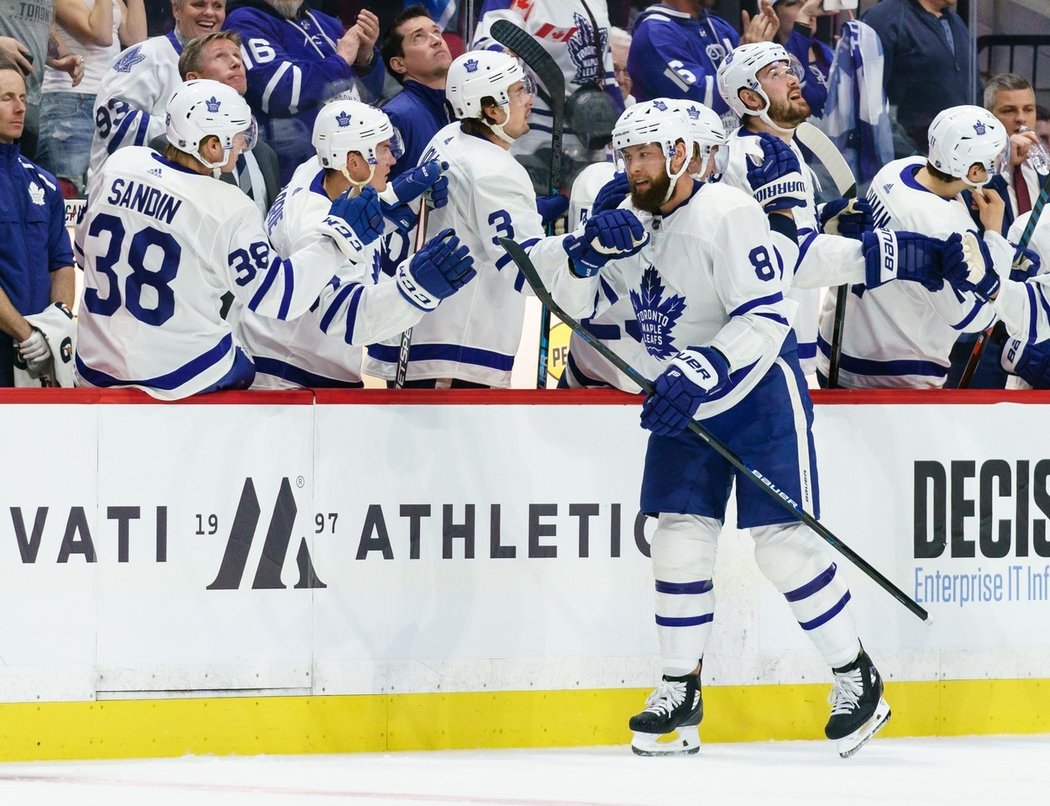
[406, 337]
[982, 339]
[518, 255]
[824, 150]
[542, 64]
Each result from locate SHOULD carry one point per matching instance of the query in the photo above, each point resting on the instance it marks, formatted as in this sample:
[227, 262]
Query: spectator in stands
[678, 46]
[28, 39]
[297, 59]
[133, 95]
[94, 30]
[218, 56]
[927, 64]
[36, 263]
[798, 18]
[620, 48]
[416, 54]
[1042, 125]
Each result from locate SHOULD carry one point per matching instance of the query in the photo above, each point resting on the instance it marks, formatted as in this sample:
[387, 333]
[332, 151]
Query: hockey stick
[541, 63]
[518, 255]
[978, 346]
[825, 151]
[406, 337]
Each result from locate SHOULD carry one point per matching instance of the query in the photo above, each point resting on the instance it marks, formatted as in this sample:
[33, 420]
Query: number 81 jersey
[160, 245]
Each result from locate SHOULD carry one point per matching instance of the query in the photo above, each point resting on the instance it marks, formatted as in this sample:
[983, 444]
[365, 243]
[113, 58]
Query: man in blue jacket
[297, 59]
[927, 63]
[36, 263]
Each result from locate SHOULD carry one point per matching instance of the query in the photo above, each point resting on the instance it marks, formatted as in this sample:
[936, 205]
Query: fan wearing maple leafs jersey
[576, 35]
[706, 282]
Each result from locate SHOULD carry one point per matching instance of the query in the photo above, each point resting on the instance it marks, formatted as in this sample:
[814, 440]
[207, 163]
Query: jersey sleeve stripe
[772, 299]
[168, 381]
[264, 287]
[272, 85]
[351, 314]
[335, 306]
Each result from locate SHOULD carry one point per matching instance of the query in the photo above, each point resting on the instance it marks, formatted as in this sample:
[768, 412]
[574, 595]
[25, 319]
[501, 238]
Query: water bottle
[1037, 156]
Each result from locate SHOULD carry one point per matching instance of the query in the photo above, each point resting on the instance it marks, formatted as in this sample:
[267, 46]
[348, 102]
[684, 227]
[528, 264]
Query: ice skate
[858, 710]
[668, 725]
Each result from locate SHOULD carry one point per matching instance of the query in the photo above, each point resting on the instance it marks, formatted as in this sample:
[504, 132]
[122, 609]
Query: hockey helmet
[344, 126]
[963, 135]
[479, 74]
[657, 121]
[704, 125]
[203, 108]
[739, 71]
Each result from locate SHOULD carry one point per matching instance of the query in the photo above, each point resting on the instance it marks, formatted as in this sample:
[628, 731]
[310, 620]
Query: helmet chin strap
[355, 186]
[673, 177]
[497, 128]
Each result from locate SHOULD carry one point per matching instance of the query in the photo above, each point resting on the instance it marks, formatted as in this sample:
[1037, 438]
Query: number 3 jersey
[474, 334]
[160, 245]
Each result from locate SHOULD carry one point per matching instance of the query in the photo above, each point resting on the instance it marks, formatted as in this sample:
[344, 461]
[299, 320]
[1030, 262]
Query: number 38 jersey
[160, 245]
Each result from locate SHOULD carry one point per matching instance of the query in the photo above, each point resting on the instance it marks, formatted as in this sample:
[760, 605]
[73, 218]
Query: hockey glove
[436, 271]
[35, 351]
[551, 208]
[1030, 361]
[890, 255]
[1026, 265]
[400, 215]
[414, 183]
[363, 214]
[692, 376]
[850, 218]
[776, 181]
[611, 194]
[968, 266]
[607, 236]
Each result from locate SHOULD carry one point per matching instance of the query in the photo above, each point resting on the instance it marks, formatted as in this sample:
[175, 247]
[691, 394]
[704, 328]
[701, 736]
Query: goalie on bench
[699, 263]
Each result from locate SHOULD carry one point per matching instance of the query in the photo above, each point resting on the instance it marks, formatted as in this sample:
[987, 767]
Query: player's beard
[788, 114]
[653, 197]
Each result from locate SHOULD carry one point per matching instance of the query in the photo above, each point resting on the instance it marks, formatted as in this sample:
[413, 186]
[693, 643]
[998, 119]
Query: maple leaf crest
[585, 49]
[656, 316]
[128, 60]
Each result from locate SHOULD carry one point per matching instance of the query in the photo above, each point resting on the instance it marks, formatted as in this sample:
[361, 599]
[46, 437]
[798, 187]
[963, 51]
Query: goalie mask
[657, 121]
[344, 127]
[480, 74]
[204, 108]
[739, 71]
[964, 135]
[705, 126]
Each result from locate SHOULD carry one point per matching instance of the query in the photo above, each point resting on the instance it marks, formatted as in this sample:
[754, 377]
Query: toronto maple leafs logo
[128, 59]
[36, 193]
[693, 112]
[471, 65]
[980, 128]
[213, 104]
[660, 105]
[656, 316]
[343, 119]
[586, 47]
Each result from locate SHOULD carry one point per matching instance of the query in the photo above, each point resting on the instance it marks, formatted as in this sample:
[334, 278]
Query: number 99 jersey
[159, 246]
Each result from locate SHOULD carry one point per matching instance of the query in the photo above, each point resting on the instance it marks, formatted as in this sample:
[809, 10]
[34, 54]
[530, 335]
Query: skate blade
[848, 745]
[683, 742]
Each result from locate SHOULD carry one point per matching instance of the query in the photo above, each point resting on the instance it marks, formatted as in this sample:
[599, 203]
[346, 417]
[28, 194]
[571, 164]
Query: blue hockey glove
[611, 194]
[1030, 361]
[776, 182]
[436, 271]
[414, 183]
[1026, 265]
[551, 208]
[363, 214]
[692, 376]
[890, 255]
[607, 236]
[400, 215]
[850, 218]
[968, 266]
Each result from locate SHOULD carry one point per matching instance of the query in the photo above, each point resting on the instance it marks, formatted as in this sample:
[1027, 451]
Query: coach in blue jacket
[36, 262]
[297, 59]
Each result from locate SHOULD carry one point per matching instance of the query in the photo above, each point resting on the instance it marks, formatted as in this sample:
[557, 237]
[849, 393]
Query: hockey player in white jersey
[472, 338]
[597, 188]
[761, 84]
[901, 334]
[707, 290]
[356, 147]
[162, 240]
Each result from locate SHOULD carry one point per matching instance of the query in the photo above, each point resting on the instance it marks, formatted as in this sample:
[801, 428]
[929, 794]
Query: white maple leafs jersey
[823, 259]
[1025, 307]
[709, 276]
[900, 334]
[160, 245]
[563, 28]
[321, 348]
[473, 335]
[132, 99]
